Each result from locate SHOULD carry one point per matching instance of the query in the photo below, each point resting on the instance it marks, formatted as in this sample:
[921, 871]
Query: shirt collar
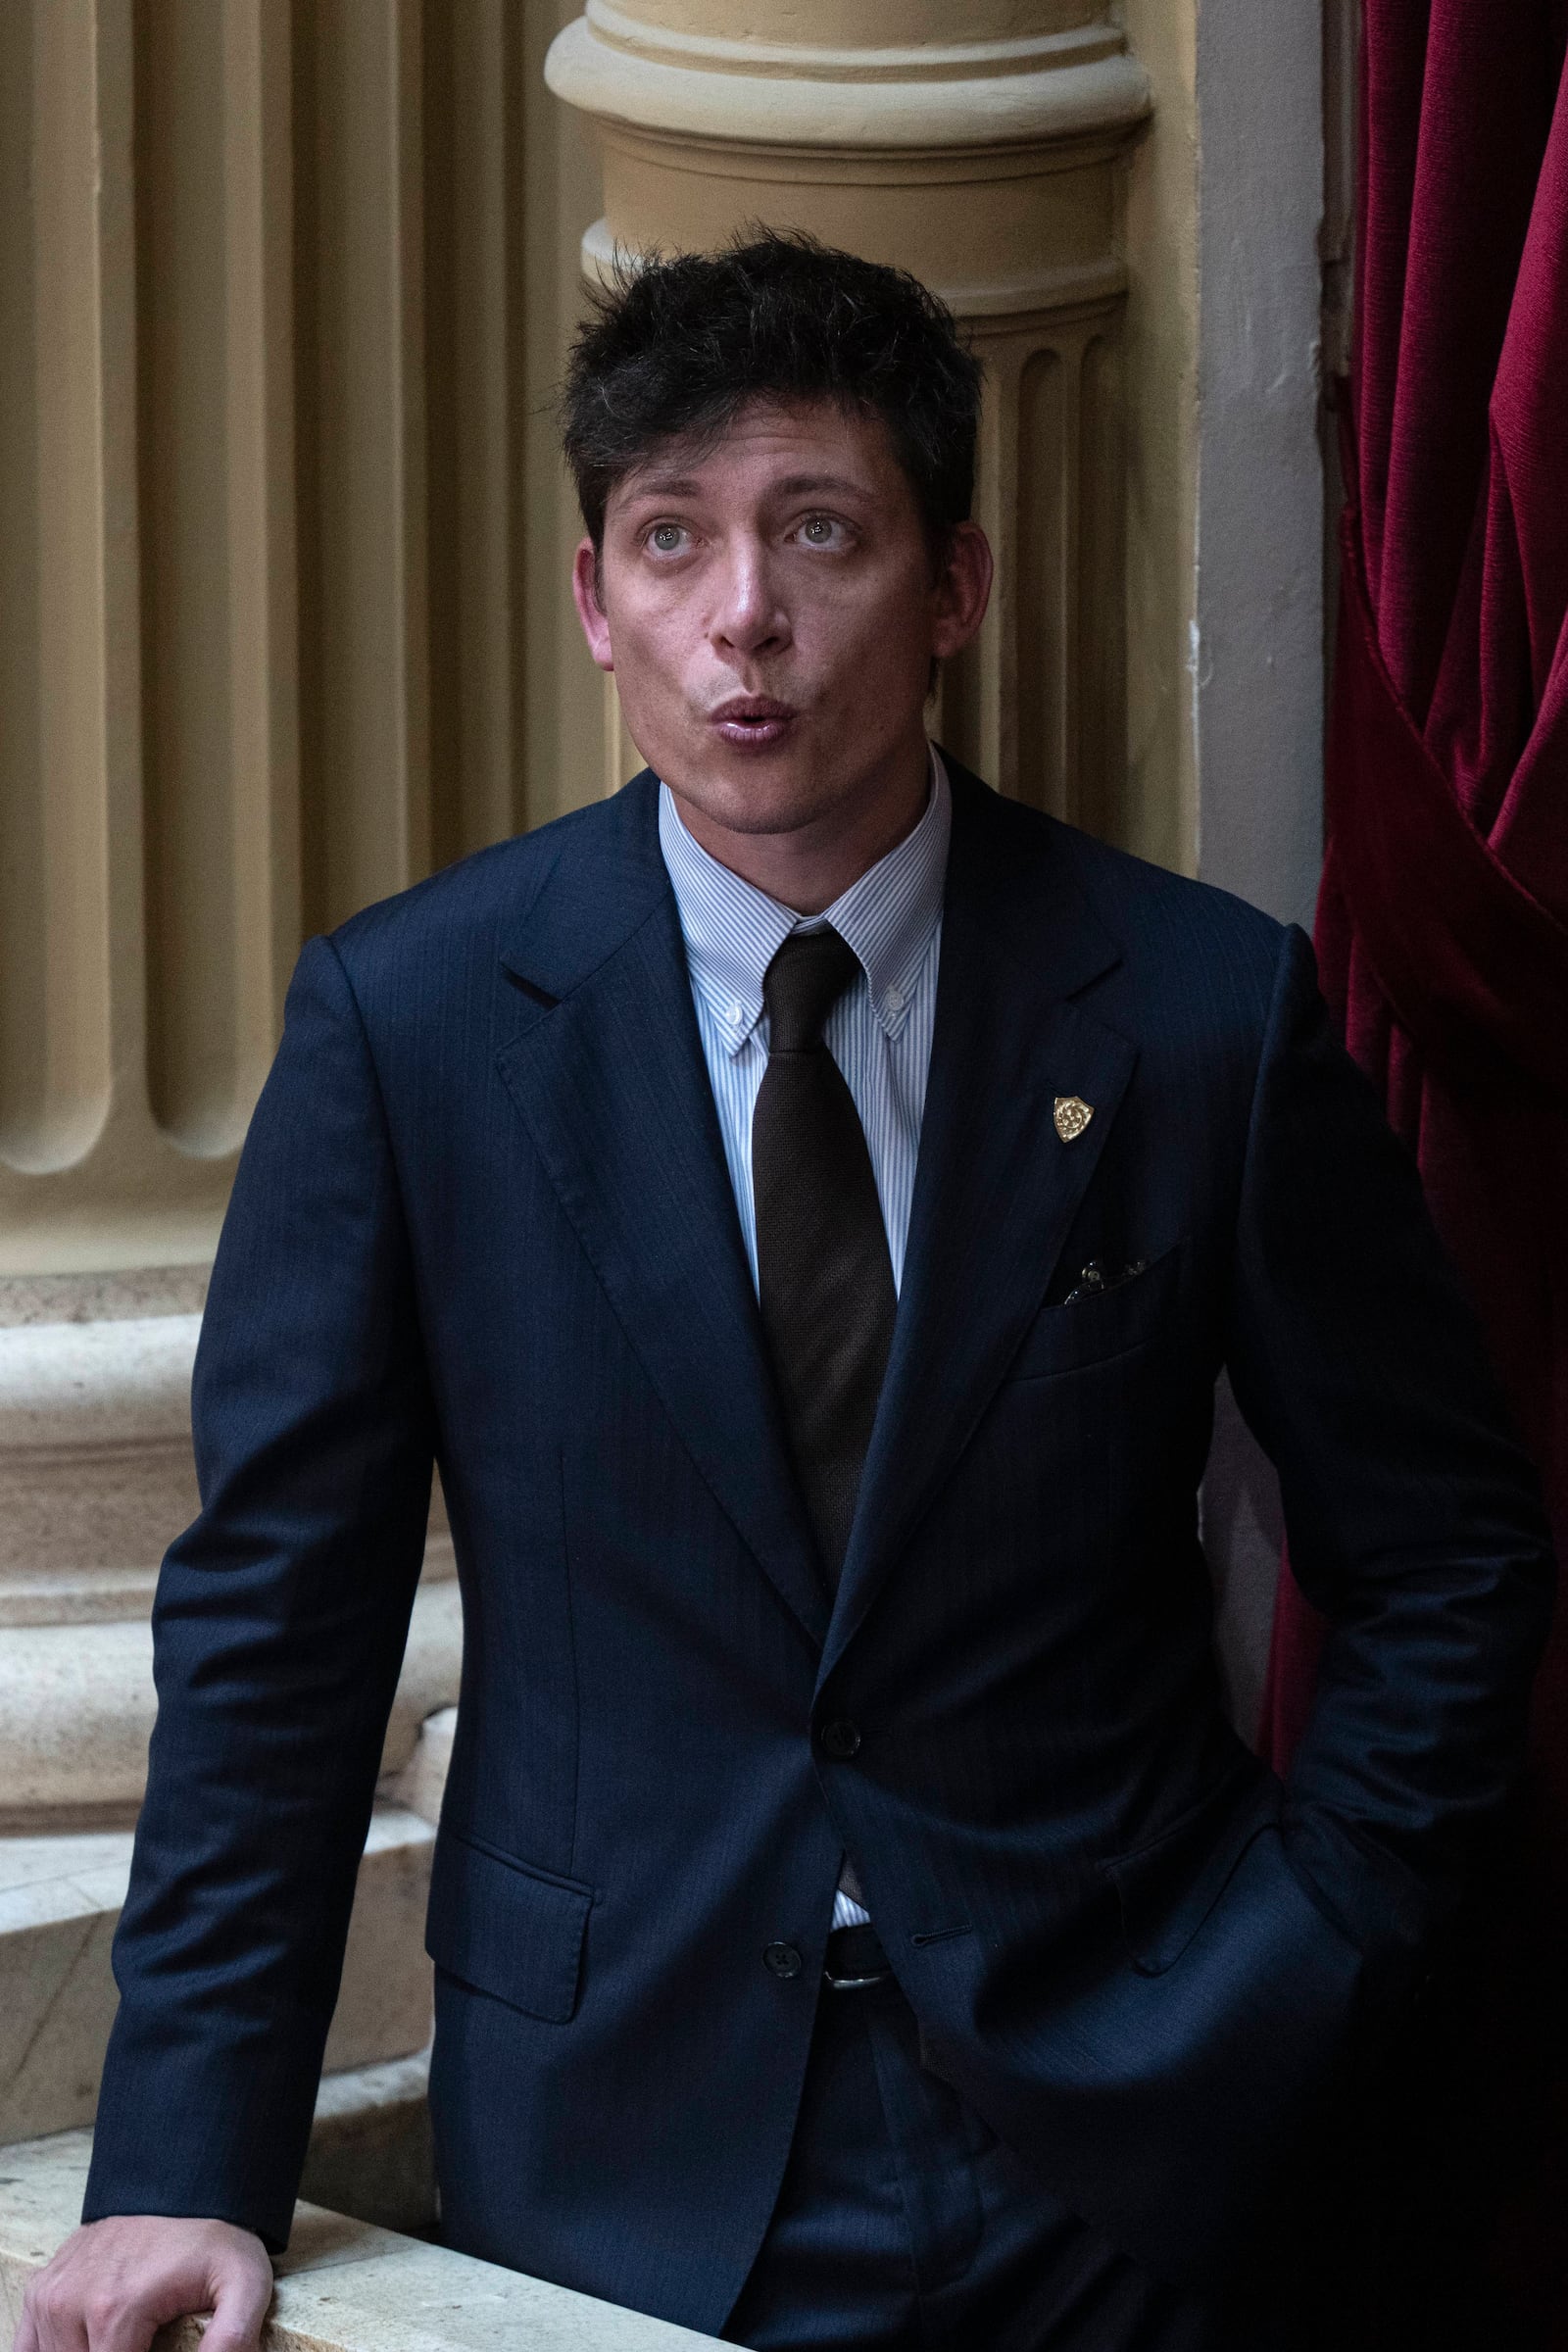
[732, 930]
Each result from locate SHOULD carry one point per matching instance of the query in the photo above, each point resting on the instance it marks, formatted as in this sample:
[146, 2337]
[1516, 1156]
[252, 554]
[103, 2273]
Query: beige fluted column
[282, 534]
[980, 144]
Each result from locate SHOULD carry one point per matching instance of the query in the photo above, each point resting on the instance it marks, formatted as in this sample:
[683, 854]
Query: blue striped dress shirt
[879, 1031]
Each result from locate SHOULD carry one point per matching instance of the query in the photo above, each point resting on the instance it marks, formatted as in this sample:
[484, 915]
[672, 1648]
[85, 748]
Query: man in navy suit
[804, 1205]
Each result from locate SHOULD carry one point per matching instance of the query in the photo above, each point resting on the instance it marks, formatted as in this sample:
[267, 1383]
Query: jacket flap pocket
[1169, 1888]
[507, 1928]
[1104, 1324]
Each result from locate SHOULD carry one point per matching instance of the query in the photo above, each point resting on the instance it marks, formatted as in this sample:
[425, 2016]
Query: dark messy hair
[675, 346]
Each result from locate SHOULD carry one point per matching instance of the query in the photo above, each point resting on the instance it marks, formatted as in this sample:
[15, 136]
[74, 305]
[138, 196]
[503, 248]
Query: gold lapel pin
[1072, 1116]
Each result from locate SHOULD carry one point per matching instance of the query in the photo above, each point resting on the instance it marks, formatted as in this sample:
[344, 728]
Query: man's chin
[757, 795]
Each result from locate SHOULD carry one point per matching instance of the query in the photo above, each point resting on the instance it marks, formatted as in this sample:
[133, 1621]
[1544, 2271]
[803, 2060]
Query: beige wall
[283, 532]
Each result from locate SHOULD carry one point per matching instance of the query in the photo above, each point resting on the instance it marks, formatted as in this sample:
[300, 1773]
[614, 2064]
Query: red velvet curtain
[1443, 923]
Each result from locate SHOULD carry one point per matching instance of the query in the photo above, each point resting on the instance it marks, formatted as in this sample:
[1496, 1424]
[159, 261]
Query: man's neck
[812, 867]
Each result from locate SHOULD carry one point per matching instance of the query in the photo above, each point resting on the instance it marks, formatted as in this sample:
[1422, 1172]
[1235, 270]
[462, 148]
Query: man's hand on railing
[115, 2282]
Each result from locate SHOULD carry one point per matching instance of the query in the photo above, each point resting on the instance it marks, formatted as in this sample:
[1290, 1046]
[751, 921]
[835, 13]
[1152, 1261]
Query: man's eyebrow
[794, 485]
[662, 485]
[815, 485]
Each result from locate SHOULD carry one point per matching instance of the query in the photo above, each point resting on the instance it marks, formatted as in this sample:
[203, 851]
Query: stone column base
[371, 2154]
[60, 1900]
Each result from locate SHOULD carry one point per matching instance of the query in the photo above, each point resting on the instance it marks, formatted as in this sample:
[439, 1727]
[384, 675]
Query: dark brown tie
[824, 1276]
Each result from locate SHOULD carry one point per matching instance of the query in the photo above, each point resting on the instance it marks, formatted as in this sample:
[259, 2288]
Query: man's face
[770, 611]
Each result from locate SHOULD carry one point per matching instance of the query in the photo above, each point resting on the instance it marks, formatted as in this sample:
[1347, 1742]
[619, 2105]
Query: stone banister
[343, 2285]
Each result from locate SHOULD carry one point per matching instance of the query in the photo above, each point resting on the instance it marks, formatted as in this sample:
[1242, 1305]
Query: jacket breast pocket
[1104, 1324]
[507, 1928]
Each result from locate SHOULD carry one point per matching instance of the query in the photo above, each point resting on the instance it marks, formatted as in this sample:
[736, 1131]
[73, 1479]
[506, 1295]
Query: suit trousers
[904, 2224]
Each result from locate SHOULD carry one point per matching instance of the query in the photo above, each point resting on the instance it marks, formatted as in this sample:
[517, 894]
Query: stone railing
[343, 2285]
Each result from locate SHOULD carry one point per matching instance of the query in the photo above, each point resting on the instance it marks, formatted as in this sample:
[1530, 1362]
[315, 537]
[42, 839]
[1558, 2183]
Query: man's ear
[586, 590]
[963, 591]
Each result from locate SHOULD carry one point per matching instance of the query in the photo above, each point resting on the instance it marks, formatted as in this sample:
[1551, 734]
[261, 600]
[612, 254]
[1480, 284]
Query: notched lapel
[997, 1185]
[612, 1086]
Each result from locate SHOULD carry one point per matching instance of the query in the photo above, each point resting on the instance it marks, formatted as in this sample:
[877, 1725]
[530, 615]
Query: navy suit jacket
[483, 1218]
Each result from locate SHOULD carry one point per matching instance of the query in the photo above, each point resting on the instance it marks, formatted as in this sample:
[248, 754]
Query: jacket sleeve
[279, 1627]
[1413, 1514]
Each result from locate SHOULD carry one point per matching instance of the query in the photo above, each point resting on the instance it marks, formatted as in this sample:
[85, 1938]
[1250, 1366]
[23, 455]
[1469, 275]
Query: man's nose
[749, 617]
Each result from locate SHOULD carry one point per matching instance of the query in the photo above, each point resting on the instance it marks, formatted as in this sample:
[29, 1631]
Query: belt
[854, 1959]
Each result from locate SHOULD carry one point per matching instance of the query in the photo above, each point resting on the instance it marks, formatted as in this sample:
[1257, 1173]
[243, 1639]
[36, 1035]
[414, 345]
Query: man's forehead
[797, 445]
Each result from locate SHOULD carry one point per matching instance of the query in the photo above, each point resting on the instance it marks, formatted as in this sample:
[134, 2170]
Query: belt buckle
[857, 1962]
[856, 1984]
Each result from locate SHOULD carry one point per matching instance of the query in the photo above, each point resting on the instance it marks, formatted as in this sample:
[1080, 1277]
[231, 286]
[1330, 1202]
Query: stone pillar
[980, 144]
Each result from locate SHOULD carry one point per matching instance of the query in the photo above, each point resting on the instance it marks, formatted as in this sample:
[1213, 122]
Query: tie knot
[802, 985]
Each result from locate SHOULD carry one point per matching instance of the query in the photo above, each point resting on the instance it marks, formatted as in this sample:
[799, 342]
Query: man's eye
[666, 538]
[818, 530]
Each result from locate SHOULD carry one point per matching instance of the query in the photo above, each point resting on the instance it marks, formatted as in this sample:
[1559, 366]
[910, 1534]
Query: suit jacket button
[840, 1740]
[782, 1960]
